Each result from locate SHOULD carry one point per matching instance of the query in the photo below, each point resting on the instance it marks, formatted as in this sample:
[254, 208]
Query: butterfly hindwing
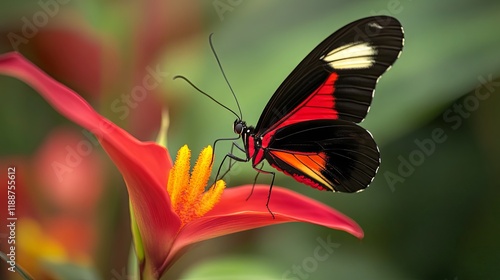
[337, 79]
[335, 155]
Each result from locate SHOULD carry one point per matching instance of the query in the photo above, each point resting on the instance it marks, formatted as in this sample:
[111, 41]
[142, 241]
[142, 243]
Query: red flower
[166, 222]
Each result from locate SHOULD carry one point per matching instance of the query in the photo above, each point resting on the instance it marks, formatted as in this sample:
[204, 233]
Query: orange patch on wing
[309, 164]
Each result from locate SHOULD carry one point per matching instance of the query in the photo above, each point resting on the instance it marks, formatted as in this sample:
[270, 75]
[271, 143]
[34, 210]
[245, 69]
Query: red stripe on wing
[319, 105]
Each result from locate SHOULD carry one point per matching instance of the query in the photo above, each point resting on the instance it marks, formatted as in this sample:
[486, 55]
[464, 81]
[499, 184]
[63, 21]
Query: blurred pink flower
[79, 57]
[69, 171]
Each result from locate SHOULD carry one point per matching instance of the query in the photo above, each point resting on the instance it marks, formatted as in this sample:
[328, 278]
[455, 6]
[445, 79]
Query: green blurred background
[433, 210]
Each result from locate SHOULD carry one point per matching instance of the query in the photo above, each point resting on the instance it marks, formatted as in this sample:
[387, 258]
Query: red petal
[144, 166]
[233, 214]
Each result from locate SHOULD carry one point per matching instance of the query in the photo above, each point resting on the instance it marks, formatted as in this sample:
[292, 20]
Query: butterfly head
[239, 126]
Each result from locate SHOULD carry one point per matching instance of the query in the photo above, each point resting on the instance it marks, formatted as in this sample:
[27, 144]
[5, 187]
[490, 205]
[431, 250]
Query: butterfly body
[308, 129]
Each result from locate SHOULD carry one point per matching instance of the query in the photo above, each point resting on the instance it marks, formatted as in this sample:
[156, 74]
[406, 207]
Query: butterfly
[309, 128]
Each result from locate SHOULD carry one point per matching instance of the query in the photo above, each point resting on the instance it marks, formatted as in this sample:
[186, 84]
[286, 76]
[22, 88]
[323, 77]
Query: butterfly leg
[224, 139]
[231, 163]
[260, 170]
[255, 180]
[231, 157]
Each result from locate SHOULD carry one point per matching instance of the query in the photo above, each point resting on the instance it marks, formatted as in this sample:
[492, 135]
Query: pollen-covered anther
[187, 193]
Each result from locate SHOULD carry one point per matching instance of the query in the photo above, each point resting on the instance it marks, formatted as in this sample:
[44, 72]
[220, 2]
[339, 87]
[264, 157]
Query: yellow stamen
[179, 176]
[210, 198]
[187, 193]
[199, 176]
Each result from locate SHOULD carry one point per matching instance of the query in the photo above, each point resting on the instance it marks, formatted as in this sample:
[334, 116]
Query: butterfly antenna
[224, 74]
[206, 94]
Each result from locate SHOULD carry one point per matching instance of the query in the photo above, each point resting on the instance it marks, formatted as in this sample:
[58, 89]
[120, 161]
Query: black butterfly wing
[337, 79]
[333, 155]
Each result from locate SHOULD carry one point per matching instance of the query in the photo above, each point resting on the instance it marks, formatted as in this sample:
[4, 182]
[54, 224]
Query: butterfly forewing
[337, 79]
